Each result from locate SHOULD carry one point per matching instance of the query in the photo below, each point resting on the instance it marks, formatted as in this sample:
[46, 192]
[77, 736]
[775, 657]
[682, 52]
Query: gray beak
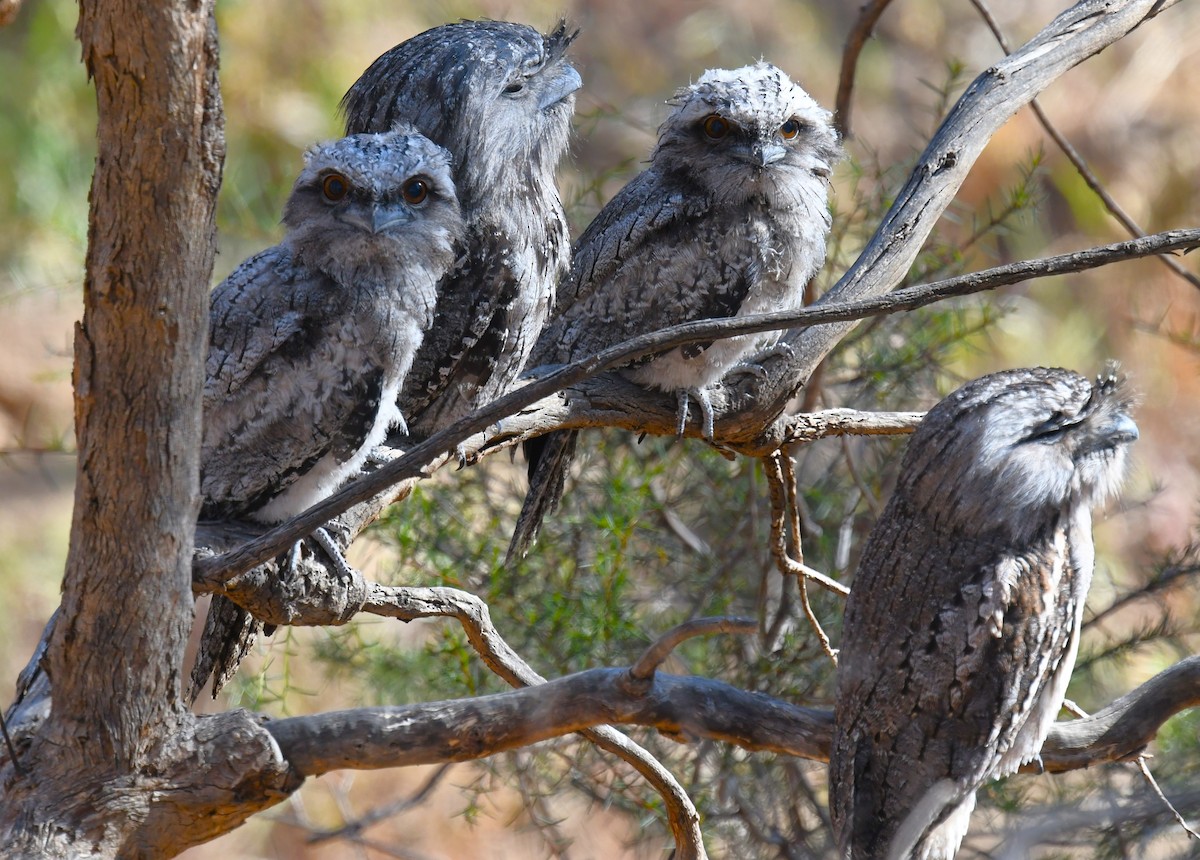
[376, 217]
[1122, 429]
[565, 83]
[766, 153]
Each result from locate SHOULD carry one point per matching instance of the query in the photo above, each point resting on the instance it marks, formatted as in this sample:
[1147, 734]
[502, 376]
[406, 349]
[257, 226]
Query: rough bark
[116, 767]
[685, 708]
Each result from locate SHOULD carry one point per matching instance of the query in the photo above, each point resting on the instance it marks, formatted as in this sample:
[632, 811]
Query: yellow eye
[716, 126]
[790, 129]
[335, 187]
[415, 191]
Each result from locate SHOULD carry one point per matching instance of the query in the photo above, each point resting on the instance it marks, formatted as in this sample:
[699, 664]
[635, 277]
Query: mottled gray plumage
[963, 620]
[730, 219]
[311, 340]
[499, 97]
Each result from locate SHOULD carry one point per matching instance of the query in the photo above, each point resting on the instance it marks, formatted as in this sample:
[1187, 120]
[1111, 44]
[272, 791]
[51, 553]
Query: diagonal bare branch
[992, 98]
[1073, 155]
[863, 27]
[651, 413]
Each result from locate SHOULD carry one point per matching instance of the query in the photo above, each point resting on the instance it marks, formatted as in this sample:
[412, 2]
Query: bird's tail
[935, 827]
[549, 459]
[229, 632]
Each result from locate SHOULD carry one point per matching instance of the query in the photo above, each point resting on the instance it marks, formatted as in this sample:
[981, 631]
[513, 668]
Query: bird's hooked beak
[564, 83]
[375, 217]
[760, 154]
[764, 153]
[1122, 430]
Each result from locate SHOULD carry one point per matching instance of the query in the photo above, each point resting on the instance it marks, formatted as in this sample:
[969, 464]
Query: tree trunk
[139, 359]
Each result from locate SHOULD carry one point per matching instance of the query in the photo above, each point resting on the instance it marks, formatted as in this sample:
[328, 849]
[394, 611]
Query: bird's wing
[287, 384]
[938, 698]
[250, 318]
[460, 351]
[657, 255]
[638, 211]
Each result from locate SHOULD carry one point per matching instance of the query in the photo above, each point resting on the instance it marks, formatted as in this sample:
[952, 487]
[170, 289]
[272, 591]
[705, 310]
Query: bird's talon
[681, 413]
[748, 368]
[294, 558]
[324, 540]
[708, 420]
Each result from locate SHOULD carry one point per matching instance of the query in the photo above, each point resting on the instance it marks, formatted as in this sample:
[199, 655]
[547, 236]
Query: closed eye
[1054, 426]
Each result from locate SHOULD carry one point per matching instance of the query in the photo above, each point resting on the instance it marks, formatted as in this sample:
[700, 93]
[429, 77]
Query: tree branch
[409, 604]
[868, 17]
[654, 656]
[1078, 33]
[1090, 179]
[681, 707]
[1122, 729]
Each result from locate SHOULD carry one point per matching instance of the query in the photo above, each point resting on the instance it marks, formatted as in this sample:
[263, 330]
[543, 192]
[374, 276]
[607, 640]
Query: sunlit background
[1132, 112]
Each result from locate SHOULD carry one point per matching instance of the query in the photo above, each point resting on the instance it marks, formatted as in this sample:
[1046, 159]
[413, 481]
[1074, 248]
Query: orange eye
[790, 129]
[415, 191]
[335, 187]
[716, 126]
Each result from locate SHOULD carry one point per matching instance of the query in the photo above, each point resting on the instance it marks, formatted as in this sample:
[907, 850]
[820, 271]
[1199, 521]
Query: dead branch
[654, 656]
[1122, 729]
[681, 707]
[1073, 155]
[408, 604]
[1079, 32]
[868, 17]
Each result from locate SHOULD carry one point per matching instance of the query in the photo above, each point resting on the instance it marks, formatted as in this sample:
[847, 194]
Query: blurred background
[655, 533]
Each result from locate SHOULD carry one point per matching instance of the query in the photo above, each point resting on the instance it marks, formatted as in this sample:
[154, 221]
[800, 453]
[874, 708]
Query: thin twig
[354, 828]
[472, 613]
[868, 16]
[1073, 155]
[12, 750]
[1166, 578]
[1149, 777]
[661, 648]
[796, 550]
[787, 564]
[1142, 765]
[772, 630]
